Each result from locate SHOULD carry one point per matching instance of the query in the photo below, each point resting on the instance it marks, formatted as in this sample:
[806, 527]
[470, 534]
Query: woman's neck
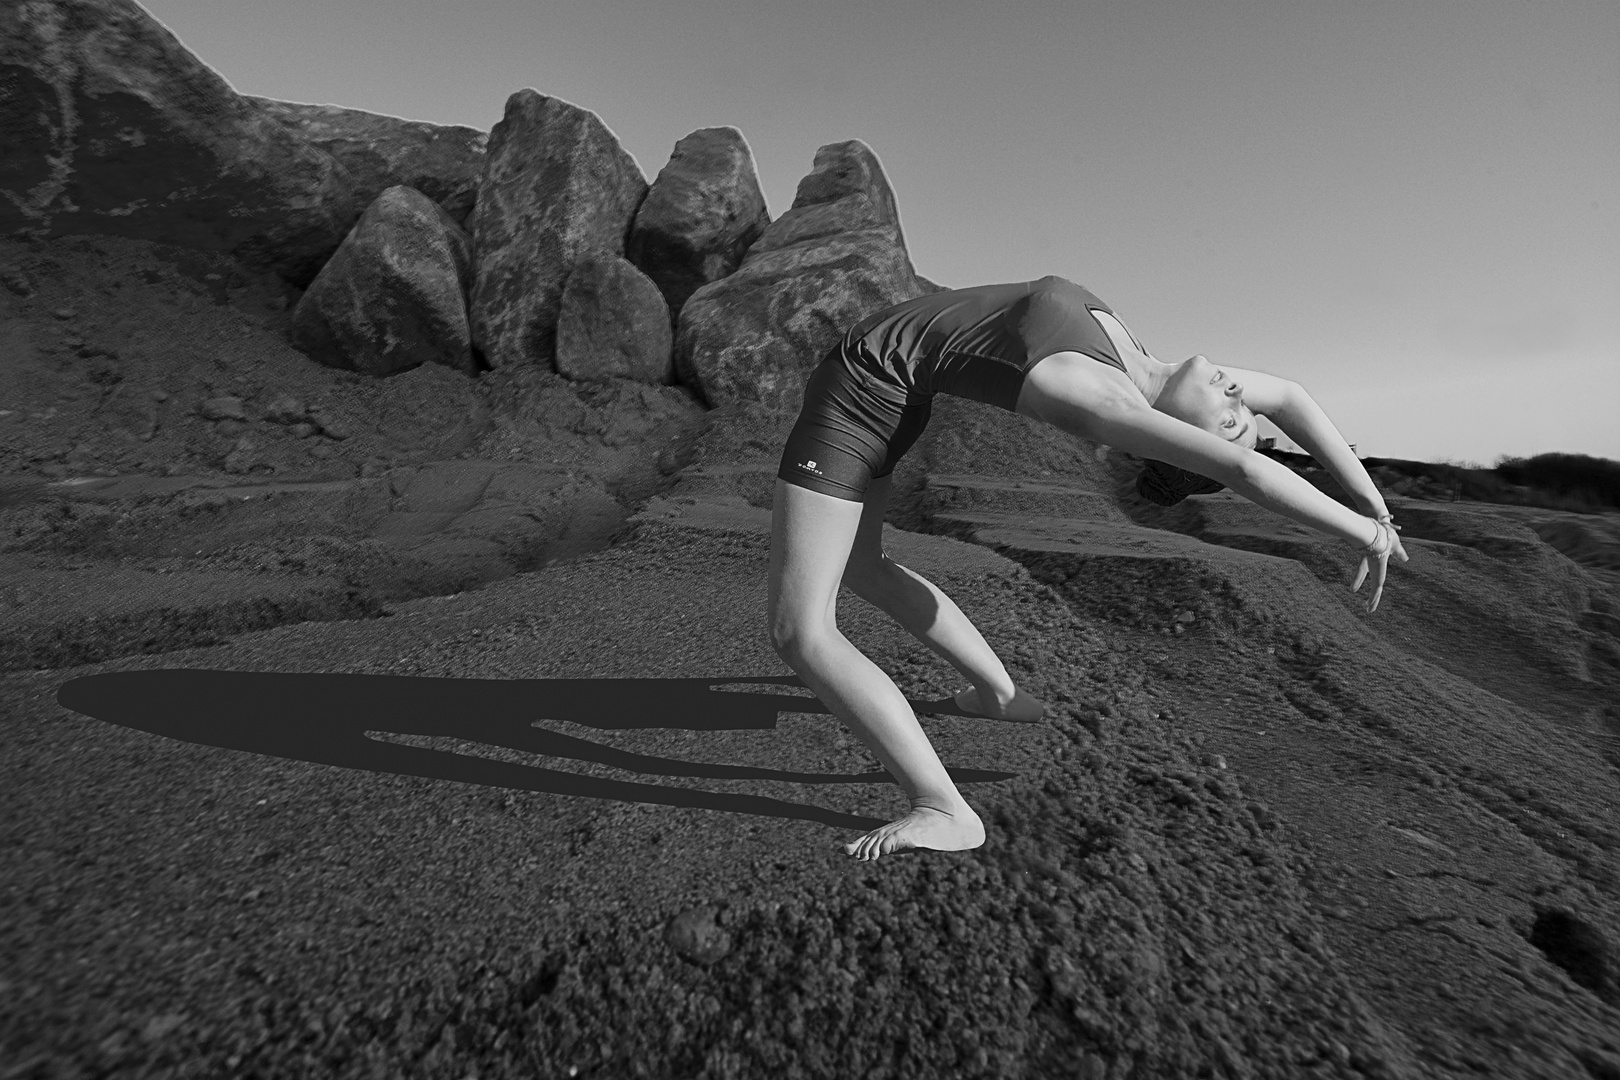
[1149, 374]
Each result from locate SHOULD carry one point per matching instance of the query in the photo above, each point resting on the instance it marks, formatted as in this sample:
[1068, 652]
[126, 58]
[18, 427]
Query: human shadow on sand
[324, 717]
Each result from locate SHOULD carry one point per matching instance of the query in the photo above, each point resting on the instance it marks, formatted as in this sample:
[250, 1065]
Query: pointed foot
[1021, 708]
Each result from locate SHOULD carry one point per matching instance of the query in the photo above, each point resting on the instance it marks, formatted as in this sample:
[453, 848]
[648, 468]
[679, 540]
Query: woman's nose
[1235, 390]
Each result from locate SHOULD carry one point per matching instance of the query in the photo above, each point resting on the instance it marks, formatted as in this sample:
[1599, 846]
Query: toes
[884, 841]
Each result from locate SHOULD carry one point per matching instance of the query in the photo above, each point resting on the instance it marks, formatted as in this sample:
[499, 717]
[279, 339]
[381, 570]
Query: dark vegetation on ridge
[1579, 477]
[1575, 482]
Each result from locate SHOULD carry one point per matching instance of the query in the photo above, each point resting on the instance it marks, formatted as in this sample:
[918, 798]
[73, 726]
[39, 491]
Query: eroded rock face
[441, 161]
[556, 187]
[836, 256]
[701, 214]
[110, 125]
[394, 294]
[613, 322]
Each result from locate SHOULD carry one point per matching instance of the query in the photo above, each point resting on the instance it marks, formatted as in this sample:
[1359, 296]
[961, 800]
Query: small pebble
[159, 1026]
[695, 935]
[65, 313]
[18, 280]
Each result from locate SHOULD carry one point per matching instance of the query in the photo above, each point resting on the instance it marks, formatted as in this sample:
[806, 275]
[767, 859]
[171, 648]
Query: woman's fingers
[1381, 561]
[1378, 585]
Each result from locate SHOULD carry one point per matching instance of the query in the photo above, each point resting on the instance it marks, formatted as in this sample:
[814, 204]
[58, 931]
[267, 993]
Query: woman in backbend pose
[1045, 349]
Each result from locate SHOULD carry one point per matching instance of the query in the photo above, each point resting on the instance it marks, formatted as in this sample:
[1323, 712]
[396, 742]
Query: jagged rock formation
[442, 161]
[701, 215]
[556, 187]
[837, 255]
[113, 127]
[613, 322]
[394, 295]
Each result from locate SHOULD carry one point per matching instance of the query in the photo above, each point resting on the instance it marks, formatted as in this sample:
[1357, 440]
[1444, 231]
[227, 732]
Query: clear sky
[1412, 208]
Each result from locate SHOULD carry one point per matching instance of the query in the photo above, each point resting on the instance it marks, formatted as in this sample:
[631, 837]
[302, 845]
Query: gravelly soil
[1259, 834]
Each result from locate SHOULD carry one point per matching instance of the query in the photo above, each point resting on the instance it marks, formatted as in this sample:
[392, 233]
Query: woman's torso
[979, 343]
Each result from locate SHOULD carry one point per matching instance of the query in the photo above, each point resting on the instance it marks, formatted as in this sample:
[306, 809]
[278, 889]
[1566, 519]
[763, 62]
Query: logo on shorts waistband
[811, 466]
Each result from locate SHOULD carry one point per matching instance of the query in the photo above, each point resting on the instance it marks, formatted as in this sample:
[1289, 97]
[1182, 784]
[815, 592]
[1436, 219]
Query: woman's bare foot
[924, 827]
[1023, 708]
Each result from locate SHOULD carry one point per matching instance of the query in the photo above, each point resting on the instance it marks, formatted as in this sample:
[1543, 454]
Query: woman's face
[1204, 396]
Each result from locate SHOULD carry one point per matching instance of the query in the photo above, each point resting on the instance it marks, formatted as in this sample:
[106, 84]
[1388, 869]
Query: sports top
[979, 343]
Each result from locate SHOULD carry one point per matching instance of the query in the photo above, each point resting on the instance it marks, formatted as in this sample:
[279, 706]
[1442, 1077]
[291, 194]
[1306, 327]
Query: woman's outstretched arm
[1101, 404]
[1146, 433]
[1140, 430]
[1299, 417]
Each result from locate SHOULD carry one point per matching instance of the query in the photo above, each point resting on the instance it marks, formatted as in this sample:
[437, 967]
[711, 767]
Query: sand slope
[1260, 833]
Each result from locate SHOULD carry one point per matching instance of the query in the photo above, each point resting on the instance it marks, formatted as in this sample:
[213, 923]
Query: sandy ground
[519, 810]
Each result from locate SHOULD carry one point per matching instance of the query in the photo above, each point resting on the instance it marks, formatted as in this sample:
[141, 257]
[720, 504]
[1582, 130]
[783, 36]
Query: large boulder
[442, 161]
[701, 215]
[556, 187]
[836, 256]
[613, 323]
[394, 294]
[110, 125]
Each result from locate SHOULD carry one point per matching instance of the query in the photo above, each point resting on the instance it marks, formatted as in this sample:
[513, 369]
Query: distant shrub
[1579, 476]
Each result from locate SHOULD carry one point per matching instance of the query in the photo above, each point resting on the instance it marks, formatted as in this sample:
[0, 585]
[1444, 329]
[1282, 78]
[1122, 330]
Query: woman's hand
[1385, 544]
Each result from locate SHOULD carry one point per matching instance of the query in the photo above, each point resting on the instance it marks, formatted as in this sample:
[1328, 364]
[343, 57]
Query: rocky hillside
[384, 521]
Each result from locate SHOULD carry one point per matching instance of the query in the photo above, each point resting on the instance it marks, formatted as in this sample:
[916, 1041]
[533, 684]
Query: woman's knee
[792, 636]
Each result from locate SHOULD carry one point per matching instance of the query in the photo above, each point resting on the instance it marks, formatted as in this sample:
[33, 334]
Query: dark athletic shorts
[852, 428]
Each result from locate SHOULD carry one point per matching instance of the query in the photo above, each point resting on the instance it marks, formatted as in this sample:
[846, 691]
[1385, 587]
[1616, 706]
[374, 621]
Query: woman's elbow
[1295, 400]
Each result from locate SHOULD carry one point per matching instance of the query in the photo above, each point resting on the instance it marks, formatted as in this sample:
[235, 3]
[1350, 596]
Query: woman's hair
[1163, 483]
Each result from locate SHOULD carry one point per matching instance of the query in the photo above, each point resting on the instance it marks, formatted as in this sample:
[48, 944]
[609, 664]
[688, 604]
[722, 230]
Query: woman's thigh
[812, 535]
[866, 554]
